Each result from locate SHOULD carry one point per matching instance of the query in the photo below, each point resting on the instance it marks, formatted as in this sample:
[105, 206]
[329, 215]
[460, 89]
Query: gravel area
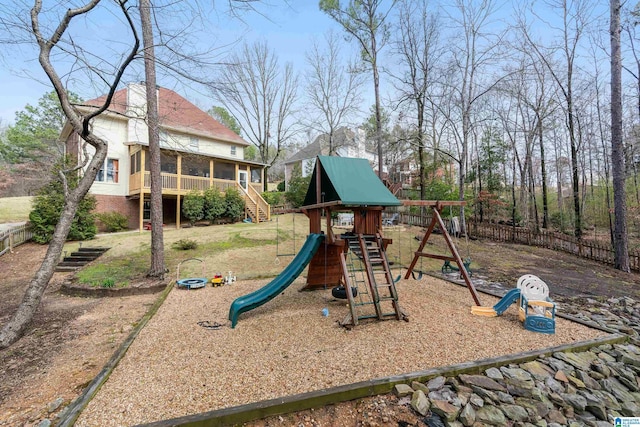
[287, 346]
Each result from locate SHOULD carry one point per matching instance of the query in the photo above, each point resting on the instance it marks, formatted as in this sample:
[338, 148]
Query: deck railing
[169, 181]
[13, 237]
[187, 182]
[261, 203]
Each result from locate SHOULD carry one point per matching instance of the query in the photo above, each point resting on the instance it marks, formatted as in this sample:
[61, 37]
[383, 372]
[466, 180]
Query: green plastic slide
[280, 283]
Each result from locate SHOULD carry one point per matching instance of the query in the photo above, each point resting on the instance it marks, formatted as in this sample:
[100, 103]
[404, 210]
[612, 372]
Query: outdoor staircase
[393, 187]
[255, 211]
[80, 258]
[366, 262]
[255, 207]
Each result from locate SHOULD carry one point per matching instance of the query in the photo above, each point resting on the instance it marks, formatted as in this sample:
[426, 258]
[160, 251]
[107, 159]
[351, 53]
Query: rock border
[253, 411]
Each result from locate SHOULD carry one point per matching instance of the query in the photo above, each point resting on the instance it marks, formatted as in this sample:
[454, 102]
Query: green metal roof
[350, 181]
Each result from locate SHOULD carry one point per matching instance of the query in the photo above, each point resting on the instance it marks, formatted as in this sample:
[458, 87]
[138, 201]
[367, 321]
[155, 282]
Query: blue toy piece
[543, 325]
[538, 316]
[537, 312]
[192, 283]
[512, 296]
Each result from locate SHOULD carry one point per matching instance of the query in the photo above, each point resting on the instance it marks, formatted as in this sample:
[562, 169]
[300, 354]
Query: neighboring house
[347, 143]
[197, 152]
[404, 172]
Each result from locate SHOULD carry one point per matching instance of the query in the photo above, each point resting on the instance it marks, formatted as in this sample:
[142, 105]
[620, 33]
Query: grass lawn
[250, 251]
[14, 209]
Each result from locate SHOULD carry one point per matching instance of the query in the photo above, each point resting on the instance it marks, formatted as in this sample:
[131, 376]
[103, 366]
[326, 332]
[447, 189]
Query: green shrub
[273, 197]
[113, 221]
[185, 244]
[214, 204]
[235, 204]
[48, 205]
[562, 221]
[108, 283]
[298, 187]
[281, 186]
[193, 206]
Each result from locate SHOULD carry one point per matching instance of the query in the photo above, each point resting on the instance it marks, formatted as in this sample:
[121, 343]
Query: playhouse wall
[325, 270]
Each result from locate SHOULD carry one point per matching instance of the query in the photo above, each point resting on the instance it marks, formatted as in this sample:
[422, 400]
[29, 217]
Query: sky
[288, 28]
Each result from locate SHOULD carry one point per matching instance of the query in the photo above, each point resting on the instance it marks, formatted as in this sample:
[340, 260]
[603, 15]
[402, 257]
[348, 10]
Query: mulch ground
[84, 332]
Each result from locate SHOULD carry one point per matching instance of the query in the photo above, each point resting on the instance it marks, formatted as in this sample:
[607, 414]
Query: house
[197, 152]
[346, 143]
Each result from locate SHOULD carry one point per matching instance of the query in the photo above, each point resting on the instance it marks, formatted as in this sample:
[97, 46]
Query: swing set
[436, 219]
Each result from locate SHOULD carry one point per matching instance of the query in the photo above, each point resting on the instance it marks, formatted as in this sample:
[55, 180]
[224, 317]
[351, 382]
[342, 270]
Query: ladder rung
[365, 303]
[368, 316]
[394, 314]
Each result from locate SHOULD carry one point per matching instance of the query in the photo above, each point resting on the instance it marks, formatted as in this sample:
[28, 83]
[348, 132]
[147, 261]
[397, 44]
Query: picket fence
[14, 236]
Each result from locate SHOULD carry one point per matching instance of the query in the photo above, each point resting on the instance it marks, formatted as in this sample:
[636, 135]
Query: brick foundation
[129, 208]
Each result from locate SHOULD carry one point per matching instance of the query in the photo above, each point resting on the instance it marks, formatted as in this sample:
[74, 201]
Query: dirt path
[67, 344]
[72, 338]
[565, 274]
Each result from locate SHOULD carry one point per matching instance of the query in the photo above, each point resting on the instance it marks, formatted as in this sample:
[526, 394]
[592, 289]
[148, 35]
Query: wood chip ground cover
[287, 346]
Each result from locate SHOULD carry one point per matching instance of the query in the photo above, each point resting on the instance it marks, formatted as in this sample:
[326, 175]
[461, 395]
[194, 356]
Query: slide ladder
[367, 265]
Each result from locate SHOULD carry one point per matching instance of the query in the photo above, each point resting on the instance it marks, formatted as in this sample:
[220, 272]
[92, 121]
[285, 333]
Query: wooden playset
[356, 259]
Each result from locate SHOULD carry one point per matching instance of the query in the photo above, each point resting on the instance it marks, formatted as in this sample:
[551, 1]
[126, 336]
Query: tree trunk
[376, 87]
[617, 148]
[545, 194]
[21, 319]
[81, 125]
[158, 268]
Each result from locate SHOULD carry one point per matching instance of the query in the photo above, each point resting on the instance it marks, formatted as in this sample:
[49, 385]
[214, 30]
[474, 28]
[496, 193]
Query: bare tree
[366, 22]
[574, 18]
[477, 50]
[620, 245]
[334, 89]
[418, 48]
[157, 268]
[50, 47]
[261, 95]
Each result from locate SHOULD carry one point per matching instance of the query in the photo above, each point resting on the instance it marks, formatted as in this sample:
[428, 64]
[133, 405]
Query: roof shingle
[174, 111]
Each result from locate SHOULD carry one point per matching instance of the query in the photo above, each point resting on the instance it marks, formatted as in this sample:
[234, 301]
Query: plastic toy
[192, 282]
[217, 280]
[536, 311]
[229, 279]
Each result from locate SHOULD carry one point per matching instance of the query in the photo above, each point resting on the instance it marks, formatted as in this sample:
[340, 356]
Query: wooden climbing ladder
[367, 270]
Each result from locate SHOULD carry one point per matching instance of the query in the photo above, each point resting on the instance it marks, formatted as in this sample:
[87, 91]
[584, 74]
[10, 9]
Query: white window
[233, 150]
[164, 138]
[194, 143]
[112, 170]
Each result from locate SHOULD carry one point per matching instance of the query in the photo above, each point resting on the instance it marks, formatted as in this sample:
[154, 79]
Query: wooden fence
[588, 249]
[14, 236]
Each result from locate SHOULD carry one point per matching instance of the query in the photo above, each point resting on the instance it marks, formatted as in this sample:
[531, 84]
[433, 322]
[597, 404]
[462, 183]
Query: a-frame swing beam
[436, 207]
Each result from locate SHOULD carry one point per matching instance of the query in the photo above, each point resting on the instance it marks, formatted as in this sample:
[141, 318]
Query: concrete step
[65, 268]
[78, 259]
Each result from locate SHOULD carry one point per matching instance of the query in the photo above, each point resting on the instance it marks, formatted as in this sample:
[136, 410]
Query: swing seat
[420, 274]
[448, 268]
